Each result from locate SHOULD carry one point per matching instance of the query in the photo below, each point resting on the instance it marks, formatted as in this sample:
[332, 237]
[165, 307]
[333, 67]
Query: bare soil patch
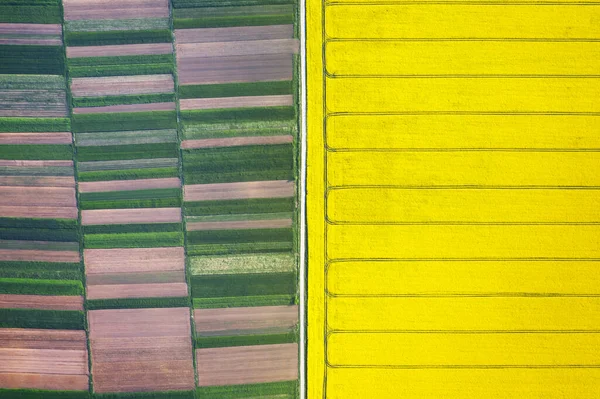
[161, 277]
[121, 49]
[44, 381]
[236, 102]
[128, 216]
[42, 212]
[37, 42]
[247, 364]
[36, 138]
[207, 35]
[8, 301]
[34, 181]
[133, 260]
[236, 141]
[136, 290]
[128, 185]
[221, 191]
[232, 321]
[126, 108]
[38, 196]
[31, 29]
[242, 47]
[43, 361]
[112, 9]
[38, 255]
[34, 164]
[122, 85]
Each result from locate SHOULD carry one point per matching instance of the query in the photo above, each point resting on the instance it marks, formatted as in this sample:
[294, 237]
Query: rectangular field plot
[141, 350]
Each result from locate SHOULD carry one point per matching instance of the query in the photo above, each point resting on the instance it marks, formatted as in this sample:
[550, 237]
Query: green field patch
[133, 228]
[239, 206]
[137, 303]
[239, 248]
[107, 25]
[41, 270]
[147, 395]
[32, 82]
[120, 70]
[242, 175]
[128, 164]
[37, 234]
[31, 59]
[275, 9]
[250, 391]
[33, 318]
[108, 38]
[238, 129]
[40, 287]
[240, 217]
[122, 60]
[35, 124]
[131, 174]
[239, 236]
[243, 301]
[126, 138]
[231, 21]
[36, 171]
[45, 246]
[236, 89]
[37, 152]
[124, 121]
[118, 152]
[119, 100]
[227, 3]
[157, 198]
[32, 223]
[258, 284]
[245, 340]
[264, 263]
[31, 12]
[42, 394]
[239, 114]
[133, 240]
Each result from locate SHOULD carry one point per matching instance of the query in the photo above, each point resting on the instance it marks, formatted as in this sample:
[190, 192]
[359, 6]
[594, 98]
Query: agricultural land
[148, 199]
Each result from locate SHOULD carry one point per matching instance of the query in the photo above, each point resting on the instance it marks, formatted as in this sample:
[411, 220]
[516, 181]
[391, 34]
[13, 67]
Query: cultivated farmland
[237, 109]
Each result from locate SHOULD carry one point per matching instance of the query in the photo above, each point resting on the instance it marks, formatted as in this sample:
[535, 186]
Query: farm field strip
[41, 302]
[237, 109]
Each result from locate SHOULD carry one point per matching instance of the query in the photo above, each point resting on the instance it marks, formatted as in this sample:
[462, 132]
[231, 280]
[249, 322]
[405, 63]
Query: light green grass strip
[126, 137]
[238, 264]
[32, 82]
[151, 163]
[239, 217]
[193, 131]
[107, 25]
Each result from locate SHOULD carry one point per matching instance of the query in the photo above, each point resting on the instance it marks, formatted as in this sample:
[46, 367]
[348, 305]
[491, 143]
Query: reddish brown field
[38, 196]
[36, 138]
[115, 9]
[34, 181]
[247, 364]
[236, 102]
[37, 42]
[195, 69]
[8, 301]
[42, 212]
[241, 224]
[236, 141]
[234, 321]
[34, 164]
[126, 108]
[31, 29]
[141, 350]
[32, 255]
[133, 260]
[255, 189]
[122, 49]
[122, 85]
[43, 359]
[160, 277]
[128, 216]
[243, 47]
[136, 290]
[128, 185]
[206, 35]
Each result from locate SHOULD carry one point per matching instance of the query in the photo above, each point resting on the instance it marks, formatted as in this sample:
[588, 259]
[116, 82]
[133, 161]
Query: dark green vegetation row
[158, 198]
[230, 285]
[245, 340]
[31, 59]
[242, 206]
[120, 66]
[137, 303]
[40, 287]
[35, 125]
[249, 390]
[41, 270]
[236, 89]
[41, 394]
[117, 37]
[124, 121]
[244, 301]
[30, 11]
[33, 318]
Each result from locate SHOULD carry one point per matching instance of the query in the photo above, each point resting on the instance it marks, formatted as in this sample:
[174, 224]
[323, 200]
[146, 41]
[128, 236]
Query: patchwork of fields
[148, 212]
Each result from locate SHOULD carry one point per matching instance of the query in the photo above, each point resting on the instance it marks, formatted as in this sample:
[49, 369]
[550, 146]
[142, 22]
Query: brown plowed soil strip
[36, 138]
[247, 364]
[136, 278]
[38, 196]
[37, 334]
[247, 47]
[111, 9]
[8, 301]
[35, 164]
[128, 216]
[238, 225]
[234, 69]
[32, 255]
[220, 321]
[236, 141]
[206, 35]
[122, 85]
[33, 181]
[224, 191]
[123, 49]
[124, 323]
[133, 260]
[42, 212]
[44, 381]
[59, 112]
[126, 108]
[45, 361]
[136, 290]
[31, 29]
[141, 349]
[37, 42]
[236, 102]
[128, 185]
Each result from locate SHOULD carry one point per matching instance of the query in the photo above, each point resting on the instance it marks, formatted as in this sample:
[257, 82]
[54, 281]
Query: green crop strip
[243, 301]
[33, 318]
[117, 37]
[213, 286]
[249, 390]
[245, 340]
[137, 303]
[42, 394]
[40, 287]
